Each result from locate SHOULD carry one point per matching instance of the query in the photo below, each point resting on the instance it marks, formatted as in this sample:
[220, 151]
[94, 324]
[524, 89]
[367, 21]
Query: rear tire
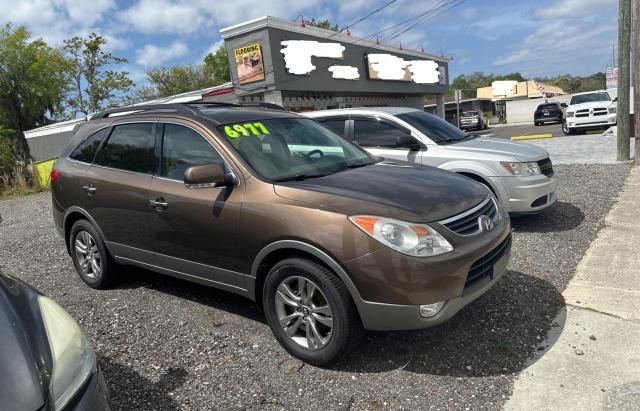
[90, 256]
[310, 311]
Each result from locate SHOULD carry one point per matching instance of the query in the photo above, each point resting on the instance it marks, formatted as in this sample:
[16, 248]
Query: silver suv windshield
[282, 149]
[438, 130]
[590, 98]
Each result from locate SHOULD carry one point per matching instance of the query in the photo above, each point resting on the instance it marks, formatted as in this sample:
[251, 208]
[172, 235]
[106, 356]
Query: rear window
[86, 151]
[547, 106]
[131, 148]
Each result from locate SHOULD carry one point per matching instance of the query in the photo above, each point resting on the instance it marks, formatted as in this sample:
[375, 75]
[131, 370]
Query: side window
[374, 133]
[86, 151]
[130, 147]
[182, 148]
[335, 124]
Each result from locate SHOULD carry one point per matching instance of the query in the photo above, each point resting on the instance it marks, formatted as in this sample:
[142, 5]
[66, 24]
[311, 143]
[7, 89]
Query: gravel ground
[165, 343]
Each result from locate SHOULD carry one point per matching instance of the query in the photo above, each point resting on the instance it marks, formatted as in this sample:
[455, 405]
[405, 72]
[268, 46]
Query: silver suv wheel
[88, 255]
[304, 312]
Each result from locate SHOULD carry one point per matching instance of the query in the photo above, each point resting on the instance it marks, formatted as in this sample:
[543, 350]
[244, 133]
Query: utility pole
[624, 55]
[636, 77]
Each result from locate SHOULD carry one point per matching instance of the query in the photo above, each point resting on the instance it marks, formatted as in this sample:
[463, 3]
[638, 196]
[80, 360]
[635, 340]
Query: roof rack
[180, 108]
[269, 106]
[188, 108]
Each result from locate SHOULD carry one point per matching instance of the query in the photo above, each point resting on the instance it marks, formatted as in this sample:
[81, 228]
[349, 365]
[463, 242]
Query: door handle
[90, 189]
[159, 204]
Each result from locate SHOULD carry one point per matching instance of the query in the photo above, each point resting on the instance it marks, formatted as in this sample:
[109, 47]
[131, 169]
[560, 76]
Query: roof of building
[277, 23]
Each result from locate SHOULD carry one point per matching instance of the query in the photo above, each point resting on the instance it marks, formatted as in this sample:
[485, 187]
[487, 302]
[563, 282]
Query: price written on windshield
[246, 130]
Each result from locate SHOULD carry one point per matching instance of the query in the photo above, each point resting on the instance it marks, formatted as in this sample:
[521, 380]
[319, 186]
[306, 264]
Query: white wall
[521, 111]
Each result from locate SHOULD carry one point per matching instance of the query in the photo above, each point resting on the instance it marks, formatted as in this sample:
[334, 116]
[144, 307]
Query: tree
[94, 84]
[167, 81]
[468, 83]
[216, 65]
[33, 85]
[323, 24]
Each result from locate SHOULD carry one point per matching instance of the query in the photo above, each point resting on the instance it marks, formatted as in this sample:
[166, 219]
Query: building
[518, 90]
[308, 68]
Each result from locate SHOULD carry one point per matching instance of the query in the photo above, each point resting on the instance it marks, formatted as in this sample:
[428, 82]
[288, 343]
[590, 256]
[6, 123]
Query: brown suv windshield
[292, 148]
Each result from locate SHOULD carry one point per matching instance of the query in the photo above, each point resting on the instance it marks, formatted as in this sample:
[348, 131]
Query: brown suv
[326, 238]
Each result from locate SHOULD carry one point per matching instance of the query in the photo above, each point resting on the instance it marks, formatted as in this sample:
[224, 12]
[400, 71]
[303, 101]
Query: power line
[363, 18]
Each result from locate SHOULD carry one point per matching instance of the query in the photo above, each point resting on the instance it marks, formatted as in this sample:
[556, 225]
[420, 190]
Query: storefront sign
[390, 67]
[298, 53]
[249, 63]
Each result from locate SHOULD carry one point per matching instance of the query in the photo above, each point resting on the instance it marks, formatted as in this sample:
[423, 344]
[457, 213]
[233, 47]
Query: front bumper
[526, 195]
[391, 287]
[93, 396]
[591, 122]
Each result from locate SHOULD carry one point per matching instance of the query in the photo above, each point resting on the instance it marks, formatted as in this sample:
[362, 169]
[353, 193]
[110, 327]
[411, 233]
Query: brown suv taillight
[55, 173]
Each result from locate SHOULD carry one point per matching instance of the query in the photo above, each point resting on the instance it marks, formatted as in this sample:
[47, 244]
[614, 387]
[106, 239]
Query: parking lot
[166, 344]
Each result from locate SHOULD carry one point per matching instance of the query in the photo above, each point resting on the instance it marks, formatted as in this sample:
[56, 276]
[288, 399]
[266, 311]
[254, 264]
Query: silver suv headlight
[417, 240]
[73, 357]
[521, 169]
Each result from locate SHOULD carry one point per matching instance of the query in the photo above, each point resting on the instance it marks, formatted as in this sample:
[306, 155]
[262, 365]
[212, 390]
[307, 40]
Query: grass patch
[505, 347]
[19, 191]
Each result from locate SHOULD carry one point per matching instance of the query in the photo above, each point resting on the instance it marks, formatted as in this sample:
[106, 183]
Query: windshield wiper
[300, 177]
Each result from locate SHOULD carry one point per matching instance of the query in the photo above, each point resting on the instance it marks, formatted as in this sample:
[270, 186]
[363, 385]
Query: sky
[535, 37]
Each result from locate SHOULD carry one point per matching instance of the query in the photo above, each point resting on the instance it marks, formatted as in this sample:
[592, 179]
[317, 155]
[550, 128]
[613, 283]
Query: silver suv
[519, 174]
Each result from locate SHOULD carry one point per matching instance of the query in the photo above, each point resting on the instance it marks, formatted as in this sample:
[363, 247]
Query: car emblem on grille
[485, 223]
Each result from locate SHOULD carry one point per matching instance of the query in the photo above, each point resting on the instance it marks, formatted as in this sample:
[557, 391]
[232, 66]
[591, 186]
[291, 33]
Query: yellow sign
[246, 130]
[249, 64]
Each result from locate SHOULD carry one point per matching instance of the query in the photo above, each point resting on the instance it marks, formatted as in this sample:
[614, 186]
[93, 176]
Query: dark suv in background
[328, 239]
[548, 112]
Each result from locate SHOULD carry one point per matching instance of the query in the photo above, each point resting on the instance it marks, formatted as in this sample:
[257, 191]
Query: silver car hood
[500, 148]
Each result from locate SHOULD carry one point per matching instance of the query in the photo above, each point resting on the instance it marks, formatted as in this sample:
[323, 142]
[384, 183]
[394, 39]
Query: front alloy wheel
[310, 311]
[303, 312]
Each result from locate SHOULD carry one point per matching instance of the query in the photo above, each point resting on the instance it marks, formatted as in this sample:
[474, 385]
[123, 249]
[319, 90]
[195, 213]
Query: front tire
[566, 130]
[310, 311]
[90, 256]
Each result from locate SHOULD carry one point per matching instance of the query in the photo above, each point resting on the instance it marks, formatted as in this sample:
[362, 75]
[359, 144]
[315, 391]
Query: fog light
[431, 310]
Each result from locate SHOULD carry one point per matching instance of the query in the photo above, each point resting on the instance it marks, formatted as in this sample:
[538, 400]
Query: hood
[394, 189]
[593, 104]
[505, 150]
[21, 388]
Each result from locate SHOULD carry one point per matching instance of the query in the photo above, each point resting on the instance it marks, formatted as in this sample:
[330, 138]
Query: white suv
[589, 111]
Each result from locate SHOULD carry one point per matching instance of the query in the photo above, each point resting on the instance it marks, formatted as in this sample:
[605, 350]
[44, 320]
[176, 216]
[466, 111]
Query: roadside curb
[531, 137]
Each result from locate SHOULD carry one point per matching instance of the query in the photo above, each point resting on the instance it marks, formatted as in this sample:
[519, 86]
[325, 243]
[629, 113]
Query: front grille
[482, 270]
[600, 111]
[546, 167]
[467, 223]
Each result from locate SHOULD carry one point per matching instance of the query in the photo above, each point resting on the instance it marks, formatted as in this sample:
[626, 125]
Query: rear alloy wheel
[310, 311]
[90, 256]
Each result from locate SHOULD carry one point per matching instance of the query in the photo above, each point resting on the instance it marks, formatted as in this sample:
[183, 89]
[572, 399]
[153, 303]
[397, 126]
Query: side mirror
[206, 176]
[408, 142]
[615, 99]
[564, 105]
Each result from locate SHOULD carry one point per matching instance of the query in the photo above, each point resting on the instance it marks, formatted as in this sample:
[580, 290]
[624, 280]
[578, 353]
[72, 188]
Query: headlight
[417, 240]
[521, 169]
[73, 357]
[570, 113]
[612, 110]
